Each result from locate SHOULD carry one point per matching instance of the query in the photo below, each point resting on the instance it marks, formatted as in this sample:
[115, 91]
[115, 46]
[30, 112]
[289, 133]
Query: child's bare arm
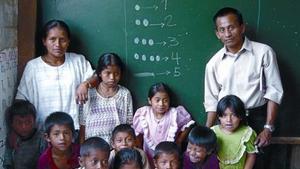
[250, 160]
[139, 141]
[182, 136]
[81, 134]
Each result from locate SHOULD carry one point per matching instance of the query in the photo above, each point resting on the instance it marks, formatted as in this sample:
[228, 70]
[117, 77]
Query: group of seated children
[158, 128]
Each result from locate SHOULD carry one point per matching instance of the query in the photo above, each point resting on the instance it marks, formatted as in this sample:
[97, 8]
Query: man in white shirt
[246, 69]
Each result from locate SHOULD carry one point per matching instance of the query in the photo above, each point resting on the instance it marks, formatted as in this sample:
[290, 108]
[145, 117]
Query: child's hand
[263, 139]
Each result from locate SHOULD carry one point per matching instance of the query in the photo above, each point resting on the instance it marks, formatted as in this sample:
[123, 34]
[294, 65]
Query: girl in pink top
[160, 122]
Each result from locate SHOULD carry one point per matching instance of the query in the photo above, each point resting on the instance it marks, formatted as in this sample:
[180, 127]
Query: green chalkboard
[171, 40]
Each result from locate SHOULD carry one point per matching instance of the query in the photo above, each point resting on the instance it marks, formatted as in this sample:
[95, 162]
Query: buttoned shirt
[252, 74]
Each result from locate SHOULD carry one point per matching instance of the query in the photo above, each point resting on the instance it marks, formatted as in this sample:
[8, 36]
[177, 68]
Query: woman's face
[56, 42]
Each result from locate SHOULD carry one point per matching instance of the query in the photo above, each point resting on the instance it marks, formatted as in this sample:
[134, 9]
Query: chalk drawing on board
[163, 43]
[173, 42]
[137, 7]
[136, 40]
[167, 22]
[138, 22]
[165, 2]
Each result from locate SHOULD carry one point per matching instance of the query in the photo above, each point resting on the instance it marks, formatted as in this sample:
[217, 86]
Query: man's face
[230, 32]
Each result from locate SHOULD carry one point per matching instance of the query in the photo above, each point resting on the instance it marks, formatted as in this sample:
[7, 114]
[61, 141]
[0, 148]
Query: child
[127, 158]
[94, 154]
[24, 142]
[62, 153]
[160, 122]
[110, 104]
[234, 137]
[200, 149]
[123, 136]
[167, 156]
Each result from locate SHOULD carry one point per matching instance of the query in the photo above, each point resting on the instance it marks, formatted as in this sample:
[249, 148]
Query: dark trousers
[257, 119]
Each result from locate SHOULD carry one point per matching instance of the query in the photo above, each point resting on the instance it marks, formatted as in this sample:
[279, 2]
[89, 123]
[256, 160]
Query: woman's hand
[82, 92]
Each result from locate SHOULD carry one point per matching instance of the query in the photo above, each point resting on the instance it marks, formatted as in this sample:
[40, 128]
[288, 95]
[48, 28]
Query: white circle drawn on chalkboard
[144, 41]
[151, 58]
[146, 22]
[151, 42]
[157, 58]
[137, 7]
[136, 40]
[138, 22]
[144, 58]
[136, 56]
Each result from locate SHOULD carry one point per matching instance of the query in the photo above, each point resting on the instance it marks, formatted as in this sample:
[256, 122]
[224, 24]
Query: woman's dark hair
[226, 11]
[235, 104]
[204, 137]
[20, 108]
[58, 118]
[55, 23]
[127, 156]
[108, 59]
[158, 87]
[94, 143]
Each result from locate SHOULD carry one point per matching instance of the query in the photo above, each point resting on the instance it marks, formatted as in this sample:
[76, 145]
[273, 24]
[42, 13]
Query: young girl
[160, 122]
[200, 149]
[234, 137]
[109, 105]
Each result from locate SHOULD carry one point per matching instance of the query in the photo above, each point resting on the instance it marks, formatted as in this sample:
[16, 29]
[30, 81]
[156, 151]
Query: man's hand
[264, 138]
[82, 93]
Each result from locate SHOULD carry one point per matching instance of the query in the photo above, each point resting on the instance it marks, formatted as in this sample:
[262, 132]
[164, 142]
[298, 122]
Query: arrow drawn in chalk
[157, 24]
[164, 73]
[163, 43]
[155, 7]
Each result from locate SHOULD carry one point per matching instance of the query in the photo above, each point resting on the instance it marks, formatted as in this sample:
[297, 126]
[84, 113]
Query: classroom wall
[8, 61]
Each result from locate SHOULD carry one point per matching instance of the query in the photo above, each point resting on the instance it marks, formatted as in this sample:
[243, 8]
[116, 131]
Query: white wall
[8, 61]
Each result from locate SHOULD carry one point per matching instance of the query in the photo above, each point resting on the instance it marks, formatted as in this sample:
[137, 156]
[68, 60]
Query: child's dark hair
[235, 104]
[55, 23]
[127, 156]
[158, 87]
[93, 143]
[226, 11]
[123, 128]
[204, 137]
[166, 147]
[108, 59]
[58, 118]
[19, 108]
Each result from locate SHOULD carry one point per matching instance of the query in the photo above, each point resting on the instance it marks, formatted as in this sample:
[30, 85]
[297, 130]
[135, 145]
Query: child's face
[110, 76]
[167, 161]
[23, 125]
[160, 102]
[97, 159]
[229, 121]
[196, 153]
[130, 165]
[60, 137]
[123, 140]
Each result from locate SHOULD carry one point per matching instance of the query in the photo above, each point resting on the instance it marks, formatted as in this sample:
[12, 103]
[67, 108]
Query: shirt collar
[246, 47]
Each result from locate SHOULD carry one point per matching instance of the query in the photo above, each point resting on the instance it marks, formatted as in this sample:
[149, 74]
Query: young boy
[202, 143]
[62, 153]
[94, 154]
[123, 136]
[167, 156]
[24, 143]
